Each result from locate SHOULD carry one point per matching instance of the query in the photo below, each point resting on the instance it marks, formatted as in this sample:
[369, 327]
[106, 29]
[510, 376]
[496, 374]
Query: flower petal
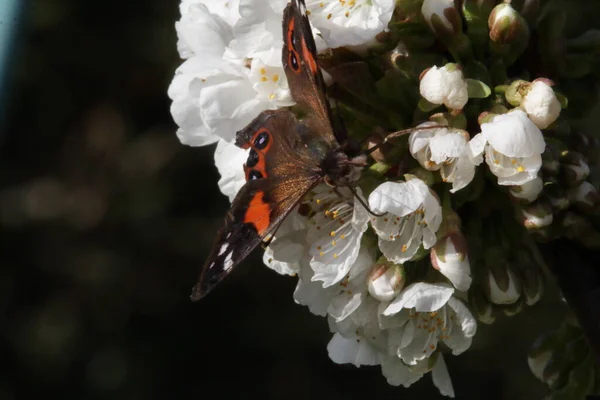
[441, 377]
[422, 296]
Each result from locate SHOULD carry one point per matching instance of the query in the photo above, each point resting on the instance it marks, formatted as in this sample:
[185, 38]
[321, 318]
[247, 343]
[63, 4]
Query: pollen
[262, 71]
[513, 161]
[520, 168]
[202, 80]
[264, 78]
[342, 236]
[335, 255]
[318, 201]
[319, 247]
[321, 254]
[385, 220]
[332, 233]
[328, 16]
[351, 3]
[272, 96]
[307, 12]
[270, 260]
[333, 242]
[347, 14]
[321, 4]
[404, 248]
[275, 78]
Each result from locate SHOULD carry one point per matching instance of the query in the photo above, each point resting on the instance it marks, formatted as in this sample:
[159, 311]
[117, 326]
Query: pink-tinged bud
[449, 256]
[386, 280]
[536, 215]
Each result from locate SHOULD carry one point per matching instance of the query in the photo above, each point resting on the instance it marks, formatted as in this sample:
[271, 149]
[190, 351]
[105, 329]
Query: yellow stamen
[275, 78]
[262, 71]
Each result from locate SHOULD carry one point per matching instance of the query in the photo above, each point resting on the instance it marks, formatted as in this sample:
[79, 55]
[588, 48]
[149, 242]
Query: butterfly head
[340, 169]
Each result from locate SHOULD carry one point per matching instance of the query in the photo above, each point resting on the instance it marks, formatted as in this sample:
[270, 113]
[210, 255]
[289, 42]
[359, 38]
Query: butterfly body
[287, 156]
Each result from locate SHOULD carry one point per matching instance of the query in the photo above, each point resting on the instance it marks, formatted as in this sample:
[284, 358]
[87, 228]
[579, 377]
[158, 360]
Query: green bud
[516, 91]
[509, 32]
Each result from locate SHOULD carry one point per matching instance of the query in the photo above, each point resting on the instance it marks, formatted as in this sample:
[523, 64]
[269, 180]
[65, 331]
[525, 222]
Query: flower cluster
[437, 239]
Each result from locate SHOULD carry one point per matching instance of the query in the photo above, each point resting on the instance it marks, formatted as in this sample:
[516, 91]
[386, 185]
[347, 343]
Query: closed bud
[445, 85]
[449, 256]
[503, 286]
[550, 163]
[506, 25]
[574, 168]
[443, 18]
[536, 215]
[585, 197]
[509, 33]
[576, 226]
[513, 309]
[540, 353]
[386, 280]
[531, 278]
[527, 192]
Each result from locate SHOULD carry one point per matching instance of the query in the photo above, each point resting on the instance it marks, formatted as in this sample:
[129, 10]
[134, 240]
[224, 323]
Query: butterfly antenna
[403, 132]
[362, 202]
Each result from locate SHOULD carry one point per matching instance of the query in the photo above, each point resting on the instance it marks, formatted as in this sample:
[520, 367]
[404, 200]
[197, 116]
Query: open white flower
[286, 252]
[423, 315]
[214, 98]
[228, 10]
[540, 104]
[443, 149]
[229, 160]
[335, 233]
[413, 216]
[258, 32]
[200, 31]
[446, 86]
[513, 147]
[350, 22]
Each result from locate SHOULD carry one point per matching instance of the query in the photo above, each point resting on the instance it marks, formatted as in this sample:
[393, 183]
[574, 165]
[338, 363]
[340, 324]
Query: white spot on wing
[223, 249]
[228, 262]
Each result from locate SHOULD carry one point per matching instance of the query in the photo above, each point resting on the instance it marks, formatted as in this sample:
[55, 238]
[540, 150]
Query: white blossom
[386, 281]
[335, 233]
[350, 22]
[443, 149]
[540, 104]
[446, 86]
[423, 315]
[413, 216]
[513, 147]
[442, 17]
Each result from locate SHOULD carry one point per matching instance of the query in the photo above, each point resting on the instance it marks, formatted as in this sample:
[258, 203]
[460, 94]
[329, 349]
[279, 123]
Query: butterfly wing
[280, 169]
[299, 57]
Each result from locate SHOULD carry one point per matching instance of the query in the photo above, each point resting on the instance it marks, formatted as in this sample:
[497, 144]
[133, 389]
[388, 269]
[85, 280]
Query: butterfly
[287, 156]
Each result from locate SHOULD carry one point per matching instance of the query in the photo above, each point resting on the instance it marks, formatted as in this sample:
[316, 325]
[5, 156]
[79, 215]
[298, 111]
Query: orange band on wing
[309, 58]
[258, 213]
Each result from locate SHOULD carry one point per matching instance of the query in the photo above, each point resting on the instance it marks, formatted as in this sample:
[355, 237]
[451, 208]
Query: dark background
[105, 220]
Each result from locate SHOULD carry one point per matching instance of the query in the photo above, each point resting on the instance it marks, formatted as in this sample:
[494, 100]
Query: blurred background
[105, 220]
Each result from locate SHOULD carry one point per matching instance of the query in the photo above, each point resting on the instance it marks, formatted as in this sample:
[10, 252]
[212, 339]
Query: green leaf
[426, 106]
[477, 89]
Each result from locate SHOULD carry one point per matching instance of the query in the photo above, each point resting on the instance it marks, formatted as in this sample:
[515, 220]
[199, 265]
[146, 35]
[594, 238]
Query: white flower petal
[397, 373]
[399, 199]
[201, 32]
[441, 377]
[446, 86]
[422, 296]
[229, 160]
[311, 294]
[352, 350]
[352, 22]
[514, 135]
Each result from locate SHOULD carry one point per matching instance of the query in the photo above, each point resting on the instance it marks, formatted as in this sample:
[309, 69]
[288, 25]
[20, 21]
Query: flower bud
[527, 192]
[573, 168]
[540, 354]
[585, 197]
[509, 32]
[513, 309]
[576, 227]
[536, 215]
[446, 86]
[386, 280]
[449, 256]
[443, 18]
[503, 285]
[540, 104]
